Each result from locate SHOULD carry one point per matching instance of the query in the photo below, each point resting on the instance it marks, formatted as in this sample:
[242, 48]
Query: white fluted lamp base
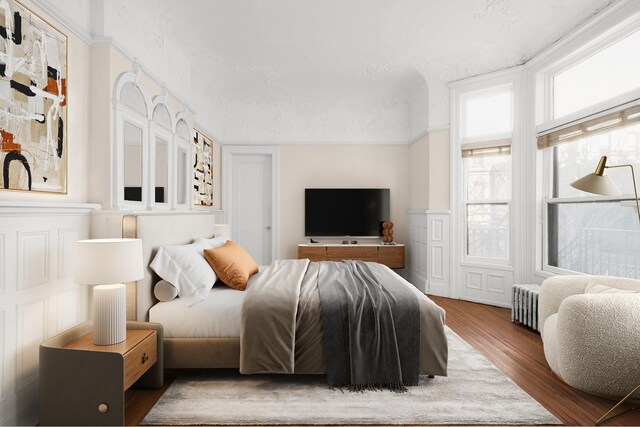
[109, 314]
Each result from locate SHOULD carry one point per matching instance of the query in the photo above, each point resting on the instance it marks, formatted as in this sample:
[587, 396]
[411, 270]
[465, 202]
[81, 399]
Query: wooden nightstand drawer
[139, 359]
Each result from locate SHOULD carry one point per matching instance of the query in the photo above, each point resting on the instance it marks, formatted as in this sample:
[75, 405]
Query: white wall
[374, 166]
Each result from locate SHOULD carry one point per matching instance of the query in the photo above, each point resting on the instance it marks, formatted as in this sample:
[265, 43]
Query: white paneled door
[251, 199]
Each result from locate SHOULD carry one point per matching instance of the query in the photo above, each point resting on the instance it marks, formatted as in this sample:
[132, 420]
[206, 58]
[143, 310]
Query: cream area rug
[475, 392]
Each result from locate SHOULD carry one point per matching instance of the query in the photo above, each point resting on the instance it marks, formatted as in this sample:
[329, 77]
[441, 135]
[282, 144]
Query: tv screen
[337, 212]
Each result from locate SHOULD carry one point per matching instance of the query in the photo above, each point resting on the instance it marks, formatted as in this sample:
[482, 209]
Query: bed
[196, 338]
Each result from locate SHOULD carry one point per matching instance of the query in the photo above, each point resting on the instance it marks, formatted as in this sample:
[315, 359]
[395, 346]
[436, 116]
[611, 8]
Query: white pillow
[165, 291]
[186, 269]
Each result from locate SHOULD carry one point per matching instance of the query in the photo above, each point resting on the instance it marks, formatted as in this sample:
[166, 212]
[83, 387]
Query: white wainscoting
[38, 298]
[429, 251]
[486, 285]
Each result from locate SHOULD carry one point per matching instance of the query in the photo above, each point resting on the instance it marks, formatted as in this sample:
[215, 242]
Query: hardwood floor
[514, 349]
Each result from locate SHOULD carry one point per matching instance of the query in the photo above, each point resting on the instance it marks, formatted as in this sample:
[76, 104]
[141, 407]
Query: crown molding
[80, 31]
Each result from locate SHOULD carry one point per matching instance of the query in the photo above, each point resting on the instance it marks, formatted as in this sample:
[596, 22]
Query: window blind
[588, 127]
[487, 148]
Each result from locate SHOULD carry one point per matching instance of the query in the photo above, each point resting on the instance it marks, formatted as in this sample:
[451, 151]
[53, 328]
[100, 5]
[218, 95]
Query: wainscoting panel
[474, 280]
[66, 251]
[496, 282]
[38, 297]
[3, 384]
[31, 331]
[3, 264]
[33, 258]
[439, 254]
[486, 285]
[428, 251]
[417, 249]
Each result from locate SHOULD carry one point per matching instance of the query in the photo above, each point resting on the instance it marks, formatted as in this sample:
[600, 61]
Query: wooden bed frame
[176, 229]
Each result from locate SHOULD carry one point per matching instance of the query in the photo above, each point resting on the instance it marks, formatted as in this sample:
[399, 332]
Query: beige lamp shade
[597, 184]
[107, 261]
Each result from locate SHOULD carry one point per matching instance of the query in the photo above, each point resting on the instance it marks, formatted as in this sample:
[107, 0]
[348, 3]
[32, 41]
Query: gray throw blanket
[371, 327]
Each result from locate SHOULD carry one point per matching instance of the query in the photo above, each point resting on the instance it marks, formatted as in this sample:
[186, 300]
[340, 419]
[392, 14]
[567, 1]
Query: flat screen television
[339, 212]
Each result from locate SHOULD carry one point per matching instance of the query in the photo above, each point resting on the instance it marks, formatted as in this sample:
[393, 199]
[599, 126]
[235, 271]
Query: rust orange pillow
[232, 264]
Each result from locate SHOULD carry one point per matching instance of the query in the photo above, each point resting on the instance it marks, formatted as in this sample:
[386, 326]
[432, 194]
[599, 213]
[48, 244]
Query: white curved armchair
[592, 340]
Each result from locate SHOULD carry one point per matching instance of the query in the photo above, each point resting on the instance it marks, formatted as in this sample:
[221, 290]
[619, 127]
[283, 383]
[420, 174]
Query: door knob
[268, 227]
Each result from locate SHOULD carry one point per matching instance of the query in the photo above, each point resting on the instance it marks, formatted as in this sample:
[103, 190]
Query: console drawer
[314, 253]
[364, 253]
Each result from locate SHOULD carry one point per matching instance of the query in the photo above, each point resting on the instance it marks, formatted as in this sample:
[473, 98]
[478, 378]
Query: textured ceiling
[326, 70]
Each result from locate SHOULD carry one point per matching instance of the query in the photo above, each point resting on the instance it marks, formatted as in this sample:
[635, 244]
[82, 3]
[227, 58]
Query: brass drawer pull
[103, 408]
[145, 357]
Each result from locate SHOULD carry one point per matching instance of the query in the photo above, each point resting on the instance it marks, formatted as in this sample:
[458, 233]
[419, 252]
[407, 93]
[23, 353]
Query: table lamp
[109, 263]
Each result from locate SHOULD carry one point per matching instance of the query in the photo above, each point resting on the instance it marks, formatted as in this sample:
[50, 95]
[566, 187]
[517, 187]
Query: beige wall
[419, 173]
[439, 170]
[429, 171]
[78, 129]
[307, 166]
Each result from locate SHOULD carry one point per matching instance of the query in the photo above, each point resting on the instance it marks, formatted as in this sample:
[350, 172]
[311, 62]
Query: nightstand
[84, 384]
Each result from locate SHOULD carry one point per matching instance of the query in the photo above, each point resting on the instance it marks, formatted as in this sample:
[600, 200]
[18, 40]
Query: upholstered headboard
[161, 230]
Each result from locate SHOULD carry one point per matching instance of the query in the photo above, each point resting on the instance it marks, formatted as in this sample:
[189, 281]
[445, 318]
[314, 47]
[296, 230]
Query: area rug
[475, 392]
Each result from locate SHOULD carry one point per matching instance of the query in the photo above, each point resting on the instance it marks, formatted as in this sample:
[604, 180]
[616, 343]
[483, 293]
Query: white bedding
[217, 316]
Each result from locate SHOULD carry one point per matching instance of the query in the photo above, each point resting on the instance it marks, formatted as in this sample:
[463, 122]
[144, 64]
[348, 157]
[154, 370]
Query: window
[488, 191]
[486, 128]
[588, 233]
[611, 72]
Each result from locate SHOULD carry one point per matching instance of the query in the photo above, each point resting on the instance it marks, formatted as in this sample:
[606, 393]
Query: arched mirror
[131, 112]
[160, 156]
[133, 177]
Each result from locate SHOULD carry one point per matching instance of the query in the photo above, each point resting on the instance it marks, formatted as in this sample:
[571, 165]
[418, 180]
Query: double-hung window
[584, 232]
[486, 132]
[589, 233]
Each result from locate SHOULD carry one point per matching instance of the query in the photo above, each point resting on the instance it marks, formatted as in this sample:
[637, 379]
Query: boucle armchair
[591, 332]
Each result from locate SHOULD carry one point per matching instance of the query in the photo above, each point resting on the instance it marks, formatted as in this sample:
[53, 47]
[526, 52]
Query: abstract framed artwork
[202, 169]
[33, 102]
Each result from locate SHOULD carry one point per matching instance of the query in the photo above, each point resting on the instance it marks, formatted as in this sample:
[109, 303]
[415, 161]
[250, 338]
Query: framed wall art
[202, 169]
[33, 102]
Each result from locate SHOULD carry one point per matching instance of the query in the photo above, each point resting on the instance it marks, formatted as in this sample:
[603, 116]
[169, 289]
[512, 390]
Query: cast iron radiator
[524, 305]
